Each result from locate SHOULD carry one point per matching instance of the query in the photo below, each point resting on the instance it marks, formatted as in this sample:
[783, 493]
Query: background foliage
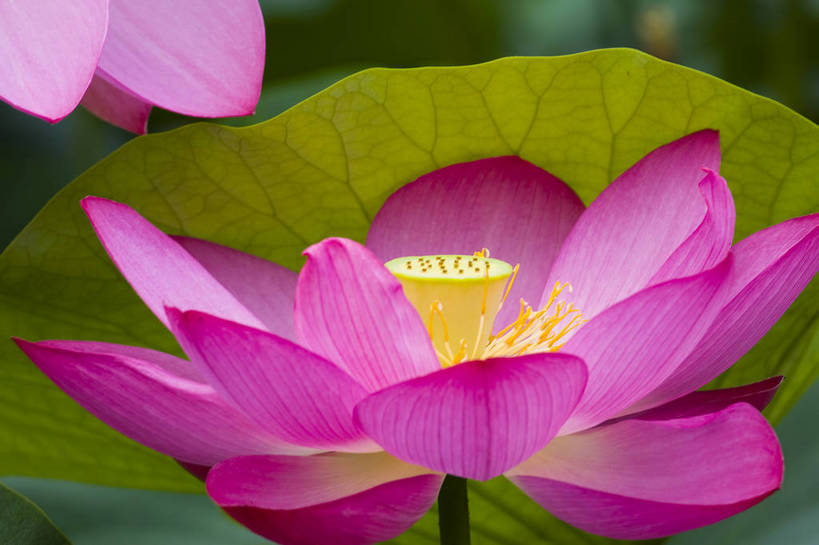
[764, 46]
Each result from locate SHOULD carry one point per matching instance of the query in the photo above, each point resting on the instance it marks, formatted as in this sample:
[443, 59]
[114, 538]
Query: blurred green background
[767, 46]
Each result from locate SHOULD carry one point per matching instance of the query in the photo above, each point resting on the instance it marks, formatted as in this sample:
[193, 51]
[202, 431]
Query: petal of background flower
[161, 272]
[197, 58]
[771, 268]
[478, 418]
[711, 240]
[50, 49]
[520, 212]
[631, 347]
[116, 106]
[636, 224]
[292, 393]
[352, 310]
[641, 479]
[342, 499]
[136, 392]
[264, 288]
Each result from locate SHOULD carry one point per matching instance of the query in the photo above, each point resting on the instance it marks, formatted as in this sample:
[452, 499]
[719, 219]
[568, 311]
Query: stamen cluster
[536, 331]
[532, 331]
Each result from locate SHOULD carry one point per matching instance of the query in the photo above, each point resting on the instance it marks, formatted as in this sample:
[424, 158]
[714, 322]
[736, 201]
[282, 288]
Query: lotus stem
[453, 512]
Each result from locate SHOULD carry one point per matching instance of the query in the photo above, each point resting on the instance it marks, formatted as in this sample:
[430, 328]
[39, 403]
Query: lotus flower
[120, 58]
[338, 422]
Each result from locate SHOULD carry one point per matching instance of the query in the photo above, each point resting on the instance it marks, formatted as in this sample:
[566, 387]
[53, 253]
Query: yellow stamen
[436, 310]
[459, 357]
[509, 285]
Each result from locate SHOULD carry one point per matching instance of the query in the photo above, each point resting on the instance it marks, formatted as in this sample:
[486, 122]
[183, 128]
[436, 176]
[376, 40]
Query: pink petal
[520, 212]
[136, 392]
[373, 516]
[476, 419]
[116, 106]
[264, 288]
[293, 482]
[341, 499]
[161, 272]
[758, 395]
[294, 394]
[352, 310]
[636, 224]
[49, 50]
[197, 58]
[711, 240]
[641, 479]
[633, 346]
[771, 268]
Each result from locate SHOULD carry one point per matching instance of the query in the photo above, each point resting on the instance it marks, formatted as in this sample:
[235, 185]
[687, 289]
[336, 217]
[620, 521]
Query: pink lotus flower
[338, 425]
[120, 58]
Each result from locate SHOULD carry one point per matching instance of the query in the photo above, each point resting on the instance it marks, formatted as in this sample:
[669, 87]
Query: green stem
[453, 512]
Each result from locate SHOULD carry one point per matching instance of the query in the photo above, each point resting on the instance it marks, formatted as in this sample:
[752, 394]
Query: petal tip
[187, 322]
[90, 200]
[23, 344]
[175, 316]
[710, 136]
[56, 119]
[92, 204]
[329, 242]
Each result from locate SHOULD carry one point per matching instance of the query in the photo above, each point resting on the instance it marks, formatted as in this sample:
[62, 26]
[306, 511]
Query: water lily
[329, 405]
[120, 58]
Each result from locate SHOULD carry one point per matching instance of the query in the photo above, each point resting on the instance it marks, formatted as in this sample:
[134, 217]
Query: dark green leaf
[23, 523]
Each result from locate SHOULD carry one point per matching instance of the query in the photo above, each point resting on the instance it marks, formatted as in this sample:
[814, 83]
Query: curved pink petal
[197, 58]
[294, 394]
[641, 479]
[622, 517]
[116, 106]
[161, 271]
[352, 310]
[626, 235]
[758, 395]
[136, 392]
[166, 362]
[633, 346]
[342, 499]
[49, 49]
[520, 212]
[478, 418]
[264, 288]
[771, 268]
[711, 240]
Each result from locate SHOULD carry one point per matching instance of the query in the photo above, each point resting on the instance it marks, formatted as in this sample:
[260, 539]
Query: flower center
[459, 297]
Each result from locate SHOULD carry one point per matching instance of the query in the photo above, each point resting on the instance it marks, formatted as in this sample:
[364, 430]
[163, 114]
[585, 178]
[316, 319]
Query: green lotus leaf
[23, 523]
[325, 167]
